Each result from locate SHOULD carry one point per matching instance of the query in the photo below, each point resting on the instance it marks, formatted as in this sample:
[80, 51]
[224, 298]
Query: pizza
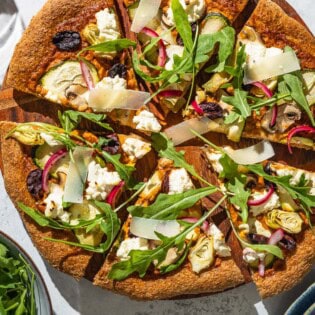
[106, 192]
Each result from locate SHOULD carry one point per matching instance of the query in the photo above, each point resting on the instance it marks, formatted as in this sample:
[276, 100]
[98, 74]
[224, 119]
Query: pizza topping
[67, 40]
[257, 238]
[34, 183]
[54, 207]
[49, 164]
[146, 121]
[251, 155]
[179, 181]
[266, 201]
[291, 222]
[113, 145]
[100, 181]
[251, 256]
[260, 229]
[86, 74]
[221, 248]
[114, 194]
[107, 25]
[201, 256]
[296, 130]
[257, 202]
[136, 148]
[287, 242]
[195, 9]
[129, 244]
[146, 11]
[146, 227]
[118, 69]
[276, 237]
[211, 110]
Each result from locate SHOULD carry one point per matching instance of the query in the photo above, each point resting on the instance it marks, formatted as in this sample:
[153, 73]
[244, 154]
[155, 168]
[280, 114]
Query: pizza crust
[35, 44]
[180, 282]
[277, 29]
[16, 166]
[297, 265]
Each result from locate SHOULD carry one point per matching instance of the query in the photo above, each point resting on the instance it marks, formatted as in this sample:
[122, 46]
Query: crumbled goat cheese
[136, 148]
[272, 203]
[171, 51]
[179, 181]
[261, 230]
[129, 244]
[221, 248]
[195, 9]
[115, 83]
[214, 160]
[107, 25]
[146, 121]
[251, 256]
[100, 182]
[50, 139]
[53, 201]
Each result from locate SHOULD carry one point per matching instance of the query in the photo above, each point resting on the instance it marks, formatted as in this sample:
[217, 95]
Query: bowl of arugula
[22, 288]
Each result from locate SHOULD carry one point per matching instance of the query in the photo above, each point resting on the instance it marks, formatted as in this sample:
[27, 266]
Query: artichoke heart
[291, 222]
[201, 256]
[28, 135]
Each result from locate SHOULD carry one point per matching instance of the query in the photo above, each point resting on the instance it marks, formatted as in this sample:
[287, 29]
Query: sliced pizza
[177, 38]
[271, 210]
[169, 245]
[67, 183]
[75, 54]
[265, 90]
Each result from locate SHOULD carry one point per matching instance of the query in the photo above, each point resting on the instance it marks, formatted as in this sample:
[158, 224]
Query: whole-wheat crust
[16, 166]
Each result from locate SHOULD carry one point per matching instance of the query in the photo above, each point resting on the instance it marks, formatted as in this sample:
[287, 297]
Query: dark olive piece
[113, 145]
[67, 40]
[257, 238]
[118, 69]
[287, 242]
[268, 169]
[212, 110]
[179, 40]
[34, 183]
[166, 183]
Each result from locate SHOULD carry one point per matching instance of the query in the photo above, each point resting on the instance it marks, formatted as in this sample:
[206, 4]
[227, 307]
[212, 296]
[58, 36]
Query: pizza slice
[266, 88]
[169, 245]
[270, 206]
[75, 54]
[175, 43]
[67, 184]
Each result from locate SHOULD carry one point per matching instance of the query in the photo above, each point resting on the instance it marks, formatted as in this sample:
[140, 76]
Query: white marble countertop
[71, 297]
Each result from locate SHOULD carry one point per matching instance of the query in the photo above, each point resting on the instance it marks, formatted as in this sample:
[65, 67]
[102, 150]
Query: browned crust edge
[181, 282]
[16, 166]
[297, 265]
[277, 29]
[35, 44]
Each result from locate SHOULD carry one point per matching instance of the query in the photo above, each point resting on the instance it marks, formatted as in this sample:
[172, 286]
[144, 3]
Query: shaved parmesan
[182, 132]
[271, 66]
[251, 155]
[145, 12]
[145, 228]
[105, 100]
[77, 174]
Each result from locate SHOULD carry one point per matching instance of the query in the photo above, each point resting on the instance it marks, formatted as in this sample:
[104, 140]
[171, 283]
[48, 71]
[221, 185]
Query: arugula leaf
[111, 46]
[230, 168]
[166, 149]
[110, 224]
[295, 85]
[70, 119]
[124, 171]
[225, 38]
[168, 207]
[140, 260]
[239, 101]
[240, 197]
[182, 24]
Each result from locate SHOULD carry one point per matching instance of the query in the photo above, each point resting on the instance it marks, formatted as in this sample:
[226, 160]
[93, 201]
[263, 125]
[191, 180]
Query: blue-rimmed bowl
[42, 299]
[304, 304]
